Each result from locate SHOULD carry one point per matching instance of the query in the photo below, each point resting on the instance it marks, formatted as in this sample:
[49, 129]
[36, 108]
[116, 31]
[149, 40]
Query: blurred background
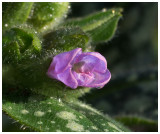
[131, 96]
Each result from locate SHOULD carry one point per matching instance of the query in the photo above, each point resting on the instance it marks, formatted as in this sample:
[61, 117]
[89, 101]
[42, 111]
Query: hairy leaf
[46, 15]
[101, 25]
[66, 39]
[53, 114]
[20, 44]
[15, 13]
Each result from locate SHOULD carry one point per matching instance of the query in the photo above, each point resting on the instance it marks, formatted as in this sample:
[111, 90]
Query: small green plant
[33, 33]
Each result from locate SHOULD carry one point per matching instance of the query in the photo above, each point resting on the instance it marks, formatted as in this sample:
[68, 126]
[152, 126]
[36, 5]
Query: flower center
[82, 67]
[78, 67]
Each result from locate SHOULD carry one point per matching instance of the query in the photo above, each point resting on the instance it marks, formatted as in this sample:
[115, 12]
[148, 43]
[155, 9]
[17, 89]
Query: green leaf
[66, 39]
[20, 44]
[101, 26]
[15, 13]
[53, 114]
[46, 15]
[138, 123]
[103, 122]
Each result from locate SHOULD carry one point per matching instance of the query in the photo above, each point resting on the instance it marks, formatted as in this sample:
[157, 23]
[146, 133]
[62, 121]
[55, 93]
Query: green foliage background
[131, 96]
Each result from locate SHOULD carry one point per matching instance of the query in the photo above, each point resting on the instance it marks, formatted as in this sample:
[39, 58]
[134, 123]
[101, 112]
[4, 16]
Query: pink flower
[74, 68]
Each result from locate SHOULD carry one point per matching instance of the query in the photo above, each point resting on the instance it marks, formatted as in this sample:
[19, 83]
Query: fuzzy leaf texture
[46, 15]
[66, 39]
[52, 114]
[15, 13]
[101, 26]
[20, 44]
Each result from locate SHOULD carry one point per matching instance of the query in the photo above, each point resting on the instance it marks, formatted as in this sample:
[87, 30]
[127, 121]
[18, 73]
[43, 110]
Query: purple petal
[92, 61]
[62, 61]
[75, 68]
[100, 79]
[101, 66]
[96, 54]
[66, 77]
[83, 79]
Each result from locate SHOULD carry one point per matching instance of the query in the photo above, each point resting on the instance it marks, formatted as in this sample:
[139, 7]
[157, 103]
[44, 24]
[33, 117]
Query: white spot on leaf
[66, 115]
[60, 104]
[38, 113]
[51, 97]
[49, 111]
[39, 122]
[75, 126]
[10, 108]
[52, 122]
[49, 103]
[58, 130]
[80, 117]
[106, 130]
[24, 111]
[94, 127]
[47, 128]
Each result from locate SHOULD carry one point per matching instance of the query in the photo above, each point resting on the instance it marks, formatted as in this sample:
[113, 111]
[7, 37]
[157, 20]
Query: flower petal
[75, 68]
[96, 54]
[63, 60]
[66, 77]
[92, 62]
[100, 79]
[83, 79]
[101, 66]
